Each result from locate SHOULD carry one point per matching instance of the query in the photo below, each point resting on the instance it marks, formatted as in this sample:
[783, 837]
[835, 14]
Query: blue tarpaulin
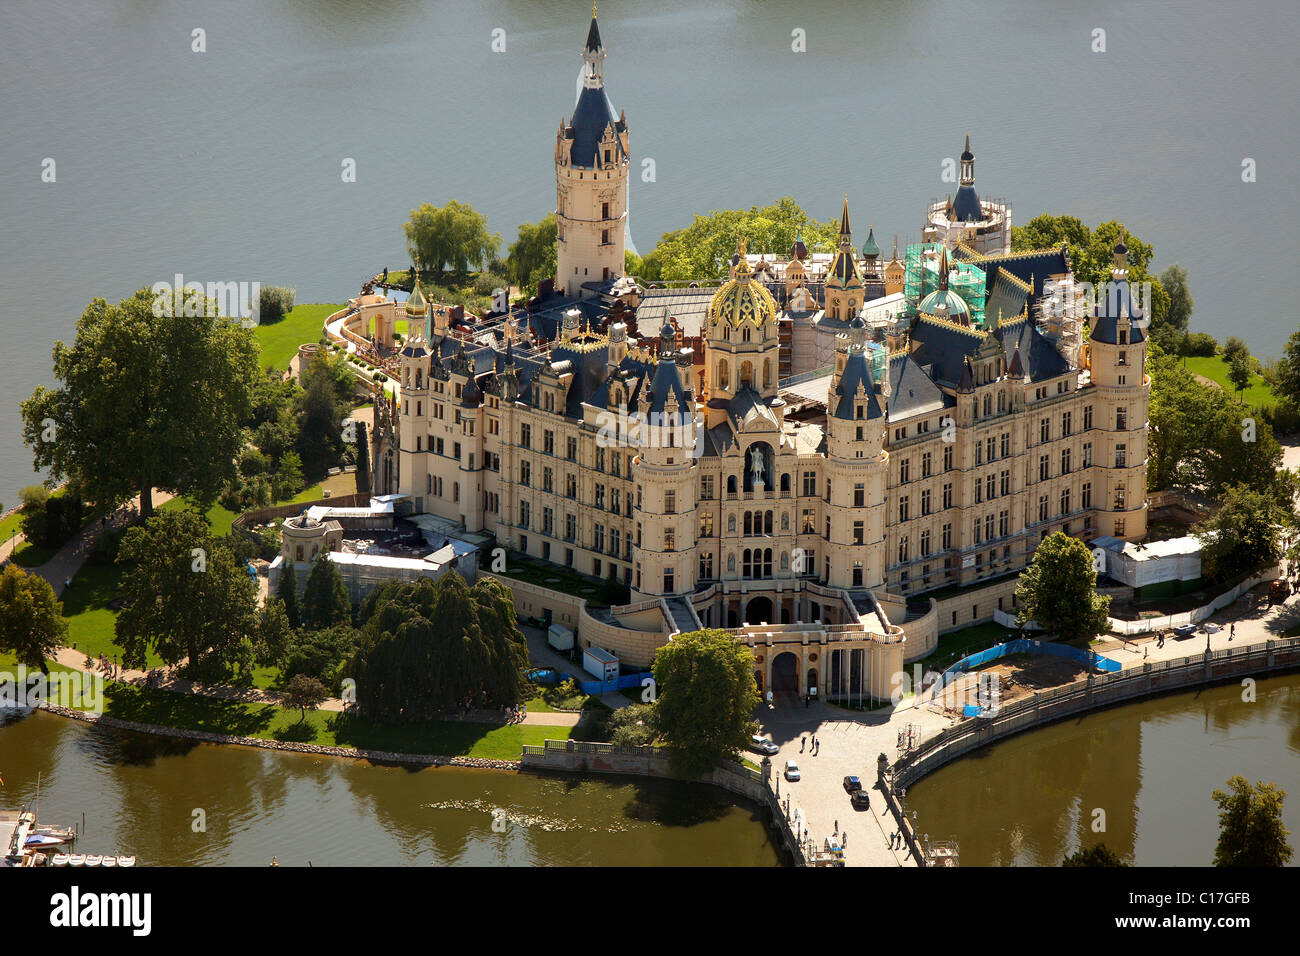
[1024, 645]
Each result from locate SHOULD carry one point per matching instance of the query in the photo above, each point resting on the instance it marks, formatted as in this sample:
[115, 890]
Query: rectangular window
[902, 508]
[1085, 495]
[857, 532]
[1087, 417]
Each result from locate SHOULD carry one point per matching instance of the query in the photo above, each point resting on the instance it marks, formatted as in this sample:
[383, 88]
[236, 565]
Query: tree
[1244, 534]
[1092, 254]
[532, 256]
[305, 693]
[632, 726]
[453, 236]
[1288, 371]
[1251, 831]
[1202, 439]
[49, 521]
[321, 409]
[186, 597]
[703, 249]
[321, 654]
[428, 646]
[1240, 371]
[1059, 590]
[145, 401]
[31, 617]
[273, 632]
[1099, 855]
[325, 598]
[1233, 348]
[287, 592]
[363, 460]
[706, 699]
[1174, 326]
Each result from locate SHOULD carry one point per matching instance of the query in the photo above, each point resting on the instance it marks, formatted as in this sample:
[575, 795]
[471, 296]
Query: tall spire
[845, 231]
[943, 269]
[593, 55]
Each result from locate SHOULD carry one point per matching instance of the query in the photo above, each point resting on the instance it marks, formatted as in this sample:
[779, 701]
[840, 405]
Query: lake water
[225, 165]
[1150, 766]
[140, 795]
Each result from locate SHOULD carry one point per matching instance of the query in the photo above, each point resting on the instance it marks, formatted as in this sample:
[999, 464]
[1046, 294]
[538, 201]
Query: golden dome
[742, 300]
[415, 303]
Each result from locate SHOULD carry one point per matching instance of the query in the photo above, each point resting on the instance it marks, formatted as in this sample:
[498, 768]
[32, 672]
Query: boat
[94, 859]
[59, 859]
[109, 861]
[77, 859]
[126, 861]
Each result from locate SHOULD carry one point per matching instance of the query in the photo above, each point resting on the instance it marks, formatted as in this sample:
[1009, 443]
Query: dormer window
[1123, 337]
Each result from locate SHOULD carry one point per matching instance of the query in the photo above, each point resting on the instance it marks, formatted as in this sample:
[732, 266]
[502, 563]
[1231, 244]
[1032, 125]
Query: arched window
[744, 334]
[767, 373]
[767, 563]
[767, 522]
[785, 483]
[724, 377]
[749, 524]
[731, 490]
[746, 374]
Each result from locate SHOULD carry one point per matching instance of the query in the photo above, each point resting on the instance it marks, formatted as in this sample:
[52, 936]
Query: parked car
[860, 800]
[760, 744]
[1184, 630]
[1279, 590]
[1212, 628]
[852, 784]
[791, 770]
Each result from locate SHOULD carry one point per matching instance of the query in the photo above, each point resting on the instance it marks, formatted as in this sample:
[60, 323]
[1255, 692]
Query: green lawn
[11, 525]
[280, 341]
[91, 621]
[28, 555]
[1257, 394]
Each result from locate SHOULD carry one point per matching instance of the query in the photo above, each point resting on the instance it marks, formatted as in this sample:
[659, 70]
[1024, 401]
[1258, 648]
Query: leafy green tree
[703, 249]
[145, 401]
[428, 646]
[1173, 328]
[186, 597]
[632, 726]
[1092, 253]
[1202, 439]
[289, 479]
[287, 592]
[325, 598]
[363, 460]
[304, 693]
[1059, 590]
[1244, 534]
[32, 626]
[1240, 371]
[320, 427]
[321, 654]
[52, 520]
[1251, 831]
[1201, 344]
[1288, 371]
[453, 236]
[273, 632]
[706, 699]
[532, 256]
[1098, 855]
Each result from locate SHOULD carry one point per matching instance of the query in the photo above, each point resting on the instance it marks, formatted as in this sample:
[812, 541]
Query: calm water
[225, 166]
[139, 794]
[1151, 766]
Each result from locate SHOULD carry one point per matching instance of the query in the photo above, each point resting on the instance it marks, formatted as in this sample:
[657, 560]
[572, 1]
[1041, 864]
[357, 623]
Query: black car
[852, 784]
[860, 800]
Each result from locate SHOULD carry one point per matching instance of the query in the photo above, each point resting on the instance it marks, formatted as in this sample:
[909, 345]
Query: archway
[759, 611]
[785, 674]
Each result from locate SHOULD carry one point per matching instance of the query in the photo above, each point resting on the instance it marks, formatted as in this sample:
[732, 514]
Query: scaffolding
[921, 277]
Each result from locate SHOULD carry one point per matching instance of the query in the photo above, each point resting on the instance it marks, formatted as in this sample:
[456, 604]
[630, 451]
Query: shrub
[274, 303]
[1200, 344]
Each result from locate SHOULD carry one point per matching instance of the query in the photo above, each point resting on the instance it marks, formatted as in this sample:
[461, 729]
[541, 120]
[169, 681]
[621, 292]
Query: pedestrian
[837, 826]
[1232, 630]
[844, 841]
[802, 741]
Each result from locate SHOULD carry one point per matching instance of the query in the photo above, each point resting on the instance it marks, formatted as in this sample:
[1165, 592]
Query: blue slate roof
[966, 205]
[593, 114]
[912, 391]
[856, 372]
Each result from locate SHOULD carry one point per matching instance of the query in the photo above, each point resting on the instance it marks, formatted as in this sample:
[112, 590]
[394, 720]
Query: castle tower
[1118, 348]
[856, 466]
[741, 341]
[844, 290]
[665, 548]
[591, 175]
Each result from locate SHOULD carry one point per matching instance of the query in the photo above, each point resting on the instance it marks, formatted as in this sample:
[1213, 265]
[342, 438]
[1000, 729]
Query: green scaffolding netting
[921, 277]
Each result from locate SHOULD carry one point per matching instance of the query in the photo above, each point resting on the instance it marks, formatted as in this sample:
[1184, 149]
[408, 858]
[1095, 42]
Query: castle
[804, 453]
